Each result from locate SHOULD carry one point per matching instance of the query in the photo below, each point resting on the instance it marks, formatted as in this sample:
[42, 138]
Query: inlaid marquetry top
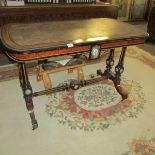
[35, 37]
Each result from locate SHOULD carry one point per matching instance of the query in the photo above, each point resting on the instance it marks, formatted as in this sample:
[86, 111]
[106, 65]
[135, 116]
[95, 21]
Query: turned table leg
[116, 78]
[119, 69]
[109, 63]
[27, 93]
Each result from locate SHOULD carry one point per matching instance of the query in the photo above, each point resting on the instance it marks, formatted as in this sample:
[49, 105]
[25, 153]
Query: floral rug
[141, 146]
[97, 106]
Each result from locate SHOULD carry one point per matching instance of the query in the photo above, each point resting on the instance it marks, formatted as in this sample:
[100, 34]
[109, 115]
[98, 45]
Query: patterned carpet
[88, 121]
[96, 107]
[99, 106]
[141, 146]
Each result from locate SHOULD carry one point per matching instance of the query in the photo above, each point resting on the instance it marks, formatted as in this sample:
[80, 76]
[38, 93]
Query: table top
[34, 37]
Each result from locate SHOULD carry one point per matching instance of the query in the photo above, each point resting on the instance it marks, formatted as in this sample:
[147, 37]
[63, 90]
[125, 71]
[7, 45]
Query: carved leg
[27, 92]
[119, 70]
[109, 64]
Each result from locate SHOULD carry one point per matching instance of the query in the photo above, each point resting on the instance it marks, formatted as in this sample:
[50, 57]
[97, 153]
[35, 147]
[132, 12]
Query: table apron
[67, 51]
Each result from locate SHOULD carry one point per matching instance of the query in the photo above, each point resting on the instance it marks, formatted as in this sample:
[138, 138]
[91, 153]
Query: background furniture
[151, 24]
[138, 9]
[45, 69]
[133, 10]
[60, 1]
[124, 9]
[35, 13]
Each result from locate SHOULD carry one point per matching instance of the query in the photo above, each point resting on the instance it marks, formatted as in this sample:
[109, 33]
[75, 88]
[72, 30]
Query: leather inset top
[57, 34]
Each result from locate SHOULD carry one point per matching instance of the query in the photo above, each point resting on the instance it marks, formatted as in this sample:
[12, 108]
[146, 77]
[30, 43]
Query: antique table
[39, 41]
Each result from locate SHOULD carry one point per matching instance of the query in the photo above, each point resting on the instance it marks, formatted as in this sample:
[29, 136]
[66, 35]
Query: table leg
[119, 70]
[108, 74]
[109, 64]
[27, 93]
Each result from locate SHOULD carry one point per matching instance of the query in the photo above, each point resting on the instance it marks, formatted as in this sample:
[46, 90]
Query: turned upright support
[109, 63]
[119, 69]
[27, 93]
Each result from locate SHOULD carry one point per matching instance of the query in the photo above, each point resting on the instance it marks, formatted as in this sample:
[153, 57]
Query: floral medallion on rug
[96, 106]
[141, 146]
